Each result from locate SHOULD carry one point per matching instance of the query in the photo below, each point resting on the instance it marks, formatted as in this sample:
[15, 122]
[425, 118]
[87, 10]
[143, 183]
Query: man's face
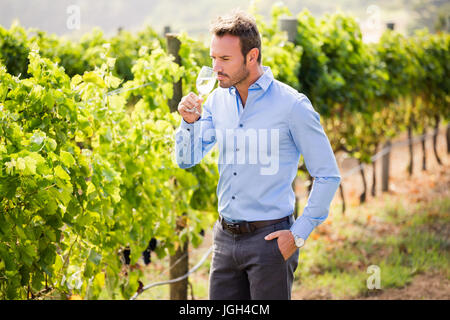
[228, 60]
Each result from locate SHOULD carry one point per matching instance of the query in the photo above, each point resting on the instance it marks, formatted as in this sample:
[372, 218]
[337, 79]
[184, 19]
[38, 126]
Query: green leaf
[51, 144]
[76, 80]
[7, 257]
[67, 159]
[30, 164]
[95, 257]
[93, 77]
[49, 100]
[60, 173]
[20, 164]
[112, 82]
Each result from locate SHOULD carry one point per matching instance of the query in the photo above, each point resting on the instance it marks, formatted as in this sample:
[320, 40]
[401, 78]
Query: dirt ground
[424, 286]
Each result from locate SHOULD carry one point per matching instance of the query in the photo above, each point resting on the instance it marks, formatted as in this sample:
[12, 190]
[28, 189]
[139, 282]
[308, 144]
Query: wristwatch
[299, 242]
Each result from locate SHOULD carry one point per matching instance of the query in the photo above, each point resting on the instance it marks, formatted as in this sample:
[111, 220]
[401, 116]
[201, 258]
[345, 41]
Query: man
[256, 241]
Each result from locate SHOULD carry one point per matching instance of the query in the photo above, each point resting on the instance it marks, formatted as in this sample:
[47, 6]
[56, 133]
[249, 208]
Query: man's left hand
[285, 241]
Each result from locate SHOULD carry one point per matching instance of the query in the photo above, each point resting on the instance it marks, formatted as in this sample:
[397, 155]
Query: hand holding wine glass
[191, 103]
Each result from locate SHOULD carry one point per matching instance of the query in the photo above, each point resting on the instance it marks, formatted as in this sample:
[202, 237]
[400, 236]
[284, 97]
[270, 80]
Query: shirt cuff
[185, 125]
[302, 227]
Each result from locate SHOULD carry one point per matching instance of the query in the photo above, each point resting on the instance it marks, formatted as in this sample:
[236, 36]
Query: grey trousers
[245, 266]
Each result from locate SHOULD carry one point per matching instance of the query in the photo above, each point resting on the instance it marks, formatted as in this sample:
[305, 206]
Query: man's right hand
[188, 106]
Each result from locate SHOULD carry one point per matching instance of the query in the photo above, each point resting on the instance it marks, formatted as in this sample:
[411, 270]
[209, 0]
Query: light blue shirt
[259, 151]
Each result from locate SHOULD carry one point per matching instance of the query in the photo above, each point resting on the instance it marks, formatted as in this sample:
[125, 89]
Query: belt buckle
[235, 227]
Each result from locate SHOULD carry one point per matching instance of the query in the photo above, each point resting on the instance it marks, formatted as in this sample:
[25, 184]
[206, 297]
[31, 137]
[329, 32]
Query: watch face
[299, 242]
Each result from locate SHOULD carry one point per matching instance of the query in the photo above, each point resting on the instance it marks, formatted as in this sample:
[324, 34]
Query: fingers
[272, 235]
[193, 99]
[193, 110]
[189, 102]
[189, 107]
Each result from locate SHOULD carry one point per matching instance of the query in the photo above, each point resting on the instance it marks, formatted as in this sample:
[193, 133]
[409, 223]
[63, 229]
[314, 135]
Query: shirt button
[233, 197]
[241, 125]
[234, 173]
[237, 149]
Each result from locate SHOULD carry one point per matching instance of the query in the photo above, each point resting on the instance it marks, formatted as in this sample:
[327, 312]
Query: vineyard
[88, 177]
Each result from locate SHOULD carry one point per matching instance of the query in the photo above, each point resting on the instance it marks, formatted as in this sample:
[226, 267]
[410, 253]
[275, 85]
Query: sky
[75, 17]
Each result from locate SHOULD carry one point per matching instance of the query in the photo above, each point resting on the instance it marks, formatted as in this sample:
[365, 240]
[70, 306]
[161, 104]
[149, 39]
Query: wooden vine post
[179, 262]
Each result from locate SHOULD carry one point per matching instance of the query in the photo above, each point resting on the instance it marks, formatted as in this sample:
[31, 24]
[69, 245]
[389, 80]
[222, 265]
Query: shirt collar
[263, 81]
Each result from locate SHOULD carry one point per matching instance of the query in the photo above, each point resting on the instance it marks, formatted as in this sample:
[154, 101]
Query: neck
[242, 87]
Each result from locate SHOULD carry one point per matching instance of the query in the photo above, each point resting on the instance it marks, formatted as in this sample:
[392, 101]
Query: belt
[248, 226]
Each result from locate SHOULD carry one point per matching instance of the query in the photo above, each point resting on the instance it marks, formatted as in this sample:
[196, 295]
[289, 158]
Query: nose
[217, 67]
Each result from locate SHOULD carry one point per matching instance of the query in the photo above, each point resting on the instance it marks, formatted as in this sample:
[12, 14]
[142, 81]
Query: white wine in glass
[206, 81]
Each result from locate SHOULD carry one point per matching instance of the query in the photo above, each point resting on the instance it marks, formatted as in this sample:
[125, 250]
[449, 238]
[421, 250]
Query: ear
[252, 55]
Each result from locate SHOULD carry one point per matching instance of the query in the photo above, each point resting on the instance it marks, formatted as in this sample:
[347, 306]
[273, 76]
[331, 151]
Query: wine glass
[206, 81]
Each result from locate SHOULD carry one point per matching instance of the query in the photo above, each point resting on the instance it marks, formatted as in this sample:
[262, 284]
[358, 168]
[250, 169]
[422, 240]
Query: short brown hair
[242, 25]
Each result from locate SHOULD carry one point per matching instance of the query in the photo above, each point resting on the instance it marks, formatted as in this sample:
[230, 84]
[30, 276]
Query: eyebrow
[220, 56]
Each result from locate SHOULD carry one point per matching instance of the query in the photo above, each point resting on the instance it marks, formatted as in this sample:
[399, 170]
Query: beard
[235, 79]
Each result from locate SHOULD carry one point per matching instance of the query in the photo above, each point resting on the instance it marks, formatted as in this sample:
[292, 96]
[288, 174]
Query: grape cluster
[146, 254]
